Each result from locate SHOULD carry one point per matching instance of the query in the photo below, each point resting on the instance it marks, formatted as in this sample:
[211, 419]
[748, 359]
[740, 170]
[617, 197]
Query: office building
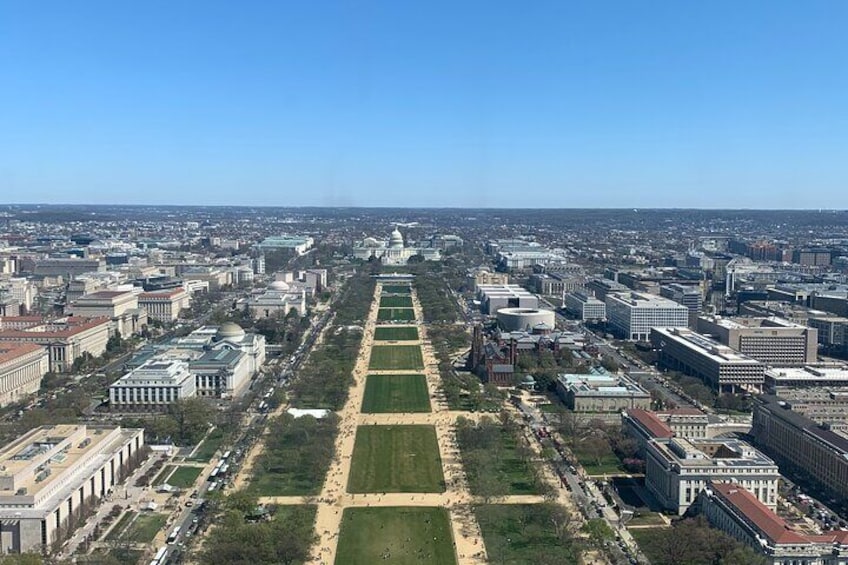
[66, 339]
[722, 368]
[494, 297]
[164, 305]
[602, 287]
[632, 315]
[22, 365]
[779, 378]
[121, 307]
[152, 387]
[299, 244]
[834, 302]
[67, 268]
[734, 510]
[678, 469]
[585, 307]
[685, 295]
[19, 290]
[53, 473]
[773, 341]
[832, 331]
[800, 445]
[555, 283]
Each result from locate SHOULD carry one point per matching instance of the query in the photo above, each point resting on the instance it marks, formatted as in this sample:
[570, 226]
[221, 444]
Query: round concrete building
[525, 319]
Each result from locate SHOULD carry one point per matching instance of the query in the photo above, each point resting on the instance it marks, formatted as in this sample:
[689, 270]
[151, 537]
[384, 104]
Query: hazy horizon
[478, 104]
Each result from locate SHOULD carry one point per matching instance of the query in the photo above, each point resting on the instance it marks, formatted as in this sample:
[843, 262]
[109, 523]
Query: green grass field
[145, 527]
[396, 314]
[395, 393]
[208, 446]
[524, 533]
[397, 289]
[396, 536]
[606, 464]
[396, 459]
[396, 357]
[122, 524]
[184, 477]
[162, 477]
[395, 302]
[396, 333]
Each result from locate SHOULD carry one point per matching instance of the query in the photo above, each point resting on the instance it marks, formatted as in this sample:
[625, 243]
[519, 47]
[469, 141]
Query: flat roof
[808, 373]
[18, 457]
[638, 299]
[705, 346]
[781, 409]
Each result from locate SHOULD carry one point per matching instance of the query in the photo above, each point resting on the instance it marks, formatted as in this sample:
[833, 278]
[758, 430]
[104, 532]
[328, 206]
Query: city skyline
[723, 106]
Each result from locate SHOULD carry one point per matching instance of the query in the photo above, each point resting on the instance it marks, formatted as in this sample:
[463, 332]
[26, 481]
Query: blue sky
[499, 104]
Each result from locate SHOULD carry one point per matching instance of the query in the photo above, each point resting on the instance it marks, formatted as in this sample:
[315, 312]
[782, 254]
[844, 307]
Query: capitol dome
[229, 330]
[396, 240]
[279, 285]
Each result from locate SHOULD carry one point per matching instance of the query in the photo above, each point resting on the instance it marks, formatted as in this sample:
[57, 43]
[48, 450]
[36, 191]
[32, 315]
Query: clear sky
[740, 104]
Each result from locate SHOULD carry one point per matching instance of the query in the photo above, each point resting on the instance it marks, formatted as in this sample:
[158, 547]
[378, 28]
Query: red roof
[10, 351]
[656, 427]
[684, 412]
[770, 524]
[74, 326]
[162, 294]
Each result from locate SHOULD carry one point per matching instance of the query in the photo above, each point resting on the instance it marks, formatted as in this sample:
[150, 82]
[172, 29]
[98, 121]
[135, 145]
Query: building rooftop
[11, 351]
[61, 328]
[32, 465]
[753, 322]
[711, 452]
[705, 346]
[645, 300]
[808, 373]
[783, 410]
[650, 421]
[769, 524]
